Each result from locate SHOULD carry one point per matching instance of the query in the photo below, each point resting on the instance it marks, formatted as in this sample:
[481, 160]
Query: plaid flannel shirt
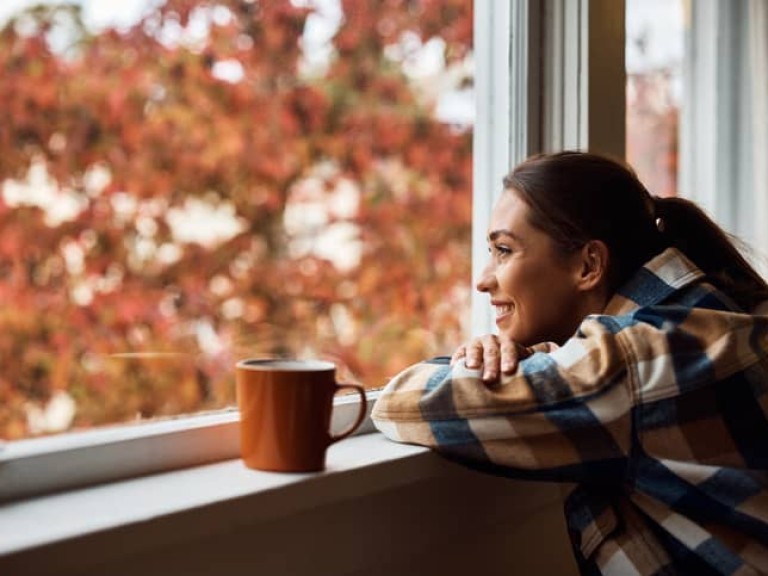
[656, 408]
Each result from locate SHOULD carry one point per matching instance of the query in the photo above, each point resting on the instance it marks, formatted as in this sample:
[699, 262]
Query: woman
[630, 359]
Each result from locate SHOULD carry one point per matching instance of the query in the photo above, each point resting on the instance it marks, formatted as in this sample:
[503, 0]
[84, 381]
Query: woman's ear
[593, 265]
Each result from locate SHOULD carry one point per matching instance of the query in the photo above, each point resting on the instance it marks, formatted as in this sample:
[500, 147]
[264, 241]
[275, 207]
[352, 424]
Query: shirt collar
[658, 278]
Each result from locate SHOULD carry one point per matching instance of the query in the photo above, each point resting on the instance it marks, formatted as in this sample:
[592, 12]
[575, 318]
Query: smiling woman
[149, 198]
[631, 359]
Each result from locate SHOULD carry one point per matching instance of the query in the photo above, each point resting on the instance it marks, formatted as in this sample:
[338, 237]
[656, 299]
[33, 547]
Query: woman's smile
[503, 311]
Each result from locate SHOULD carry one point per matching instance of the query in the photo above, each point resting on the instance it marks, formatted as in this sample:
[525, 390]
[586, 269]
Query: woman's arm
[562, 412]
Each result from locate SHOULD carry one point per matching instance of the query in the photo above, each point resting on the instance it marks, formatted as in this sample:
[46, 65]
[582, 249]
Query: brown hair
[575, 197]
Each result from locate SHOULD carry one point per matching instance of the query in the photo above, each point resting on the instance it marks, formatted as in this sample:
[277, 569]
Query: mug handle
[361, 414]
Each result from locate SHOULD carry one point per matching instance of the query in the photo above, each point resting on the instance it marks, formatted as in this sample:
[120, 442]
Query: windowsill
[355, 467]
[379, 508]
[38, 466]
[174, 497]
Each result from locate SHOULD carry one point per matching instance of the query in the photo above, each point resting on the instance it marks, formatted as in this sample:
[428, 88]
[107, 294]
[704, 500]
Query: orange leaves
[372, 270]
[309, 107]
[653, 119]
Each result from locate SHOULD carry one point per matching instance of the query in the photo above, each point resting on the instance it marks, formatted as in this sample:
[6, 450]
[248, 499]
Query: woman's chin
[518, 337]
[504, 323]
[507, 329]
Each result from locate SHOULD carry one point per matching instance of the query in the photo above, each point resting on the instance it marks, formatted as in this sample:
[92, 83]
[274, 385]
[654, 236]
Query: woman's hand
[496, 354]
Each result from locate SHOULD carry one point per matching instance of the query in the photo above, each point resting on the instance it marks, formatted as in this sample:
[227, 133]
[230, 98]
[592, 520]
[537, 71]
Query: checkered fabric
[656, 409]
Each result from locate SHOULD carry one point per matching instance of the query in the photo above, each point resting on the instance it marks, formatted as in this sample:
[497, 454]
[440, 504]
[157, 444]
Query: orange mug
[285, 413]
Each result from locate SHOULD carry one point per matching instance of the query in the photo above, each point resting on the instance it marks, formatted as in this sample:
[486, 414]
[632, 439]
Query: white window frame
[724, 118]
[544, 81]
[40, 466]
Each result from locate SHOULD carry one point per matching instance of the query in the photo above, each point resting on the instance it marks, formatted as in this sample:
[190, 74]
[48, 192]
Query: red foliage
[653, 125]
[160, 128]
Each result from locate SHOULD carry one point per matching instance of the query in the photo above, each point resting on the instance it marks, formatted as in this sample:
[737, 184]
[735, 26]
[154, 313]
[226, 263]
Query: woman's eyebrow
[494, 234]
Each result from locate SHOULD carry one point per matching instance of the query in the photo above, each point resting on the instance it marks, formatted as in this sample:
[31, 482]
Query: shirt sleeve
[566, 412]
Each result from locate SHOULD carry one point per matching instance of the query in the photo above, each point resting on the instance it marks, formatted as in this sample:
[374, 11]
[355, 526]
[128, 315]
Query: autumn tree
[209, 108]
[653, 125]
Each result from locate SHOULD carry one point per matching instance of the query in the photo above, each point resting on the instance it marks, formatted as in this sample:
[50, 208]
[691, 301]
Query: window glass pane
[654, 61]
[186, 183]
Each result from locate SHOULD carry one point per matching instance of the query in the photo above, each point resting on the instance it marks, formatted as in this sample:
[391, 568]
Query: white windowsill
[355, 467]
[174, 497]
[40, 466]
[391, 508]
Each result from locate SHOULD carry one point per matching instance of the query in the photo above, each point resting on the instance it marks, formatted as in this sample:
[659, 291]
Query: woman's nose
[486, 280]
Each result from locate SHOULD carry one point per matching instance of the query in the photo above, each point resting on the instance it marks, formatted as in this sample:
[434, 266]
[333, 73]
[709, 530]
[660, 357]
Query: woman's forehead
[509, 216]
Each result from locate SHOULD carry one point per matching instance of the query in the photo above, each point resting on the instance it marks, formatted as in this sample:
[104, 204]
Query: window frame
[544, 82]
[724, 119]
[542, 75]
[39, 466]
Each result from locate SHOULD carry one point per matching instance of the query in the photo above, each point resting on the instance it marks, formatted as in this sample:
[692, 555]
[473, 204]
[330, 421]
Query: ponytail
[686, 227]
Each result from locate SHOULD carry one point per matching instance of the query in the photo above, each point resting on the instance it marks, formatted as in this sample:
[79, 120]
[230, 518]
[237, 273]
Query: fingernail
[506, 366]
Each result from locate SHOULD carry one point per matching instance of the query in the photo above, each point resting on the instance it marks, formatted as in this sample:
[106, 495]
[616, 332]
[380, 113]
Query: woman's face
[534, 288]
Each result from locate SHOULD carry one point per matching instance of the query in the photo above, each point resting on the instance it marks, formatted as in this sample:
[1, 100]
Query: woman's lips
[503, 311]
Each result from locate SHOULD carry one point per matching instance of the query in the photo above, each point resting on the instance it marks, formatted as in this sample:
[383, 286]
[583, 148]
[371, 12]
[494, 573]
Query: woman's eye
[499, 251]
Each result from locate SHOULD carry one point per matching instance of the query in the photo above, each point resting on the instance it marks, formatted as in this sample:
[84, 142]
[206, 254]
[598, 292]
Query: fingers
[508, 351]
[481, 352]
[460, 353]
[511, 354]
[491, 359]
[479, 349]
[495, 355]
